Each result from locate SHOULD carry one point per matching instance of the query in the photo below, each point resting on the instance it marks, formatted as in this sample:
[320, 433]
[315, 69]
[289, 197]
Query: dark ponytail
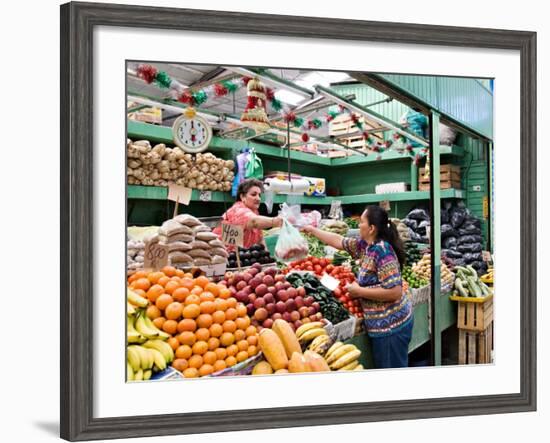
[386, 231]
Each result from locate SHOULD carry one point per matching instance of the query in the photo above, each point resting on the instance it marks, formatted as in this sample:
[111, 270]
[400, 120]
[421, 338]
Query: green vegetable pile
[468, 284]
[412, 253]
[316, 246]
[414, 280]
[351, 222]
[342, 257]
[332, 309]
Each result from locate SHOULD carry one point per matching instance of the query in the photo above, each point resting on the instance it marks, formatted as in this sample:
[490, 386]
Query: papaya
[298, 363]
[262, 368]
[316, 362]
[287, 337]
[273, 349]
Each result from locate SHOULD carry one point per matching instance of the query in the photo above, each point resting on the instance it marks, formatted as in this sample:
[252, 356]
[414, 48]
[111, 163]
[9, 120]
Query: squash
[316, 362]
[287, 337]
[298, 363]
[262, 368]
[273, 349]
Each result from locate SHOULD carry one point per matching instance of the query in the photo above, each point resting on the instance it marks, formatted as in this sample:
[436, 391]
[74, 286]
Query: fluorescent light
[289, 97]
[321, 78]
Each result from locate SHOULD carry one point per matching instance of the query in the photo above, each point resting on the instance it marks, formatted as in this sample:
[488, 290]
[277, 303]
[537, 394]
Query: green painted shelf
[163, 134]
[161, 193]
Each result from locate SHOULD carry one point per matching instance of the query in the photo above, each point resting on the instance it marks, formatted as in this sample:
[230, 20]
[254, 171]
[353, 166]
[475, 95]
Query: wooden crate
[449, 177]
[343, 124]
[475, 347]
[474, 314]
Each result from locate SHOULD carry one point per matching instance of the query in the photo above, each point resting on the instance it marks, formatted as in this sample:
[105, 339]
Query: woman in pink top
[245, 213]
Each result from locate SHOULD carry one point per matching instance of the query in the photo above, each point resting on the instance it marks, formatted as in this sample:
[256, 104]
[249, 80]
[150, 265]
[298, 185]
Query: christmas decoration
[254, 114]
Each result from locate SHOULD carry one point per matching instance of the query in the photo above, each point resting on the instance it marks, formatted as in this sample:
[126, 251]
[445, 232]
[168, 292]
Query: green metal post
[414, 176]
[490, 197]
[435, 240]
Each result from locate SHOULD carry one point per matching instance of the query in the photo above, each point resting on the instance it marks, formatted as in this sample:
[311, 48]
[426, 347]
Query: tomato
[308, 268]
[317, 268]
[329, 268]
[337, 292]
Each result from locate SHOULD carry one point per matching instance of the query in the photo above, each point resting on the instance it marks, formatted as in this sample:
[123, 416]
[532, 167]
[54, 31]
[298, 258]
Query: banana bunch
[488, 277]
[143, 328]
[320, 344]
[135, 299]
[309, 331]
[152, 356]
[341, 357]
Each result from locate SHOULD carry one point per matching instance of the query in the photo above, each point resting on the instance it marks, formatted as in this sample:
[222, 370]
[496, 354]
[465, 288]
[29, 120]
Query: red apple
[316, 305]
[250, 309]
[301, 291]
[261, 290]
[260, 314]
[253, 271]
[237, 278]
[252, 298]
[308, 301]
[295, 316]
[259, 303]
[269, 298]
[282, 295]
[304, 311]
[267, 323]
[272, 289]
[290, 305]
[312, 311]
[297, 324]
[270, 308]
[241, 285]
[287, 285]
[272, 271]
[254, 282]
[292, 293]
[233, 290]
[280, 306]
[247, 277]
[277, 316]
[268, 280]
[279, 286]
[299, 301]
[280, 278]
[286, 316]
[242, 297]
[313, 317]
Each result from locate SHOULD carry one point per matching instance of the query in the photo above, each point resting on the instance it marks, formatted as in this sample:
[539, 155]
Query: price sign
[385, 205]
[155, 256]
[205, 196]
[330, 282]
[232, 235]
[179, 194]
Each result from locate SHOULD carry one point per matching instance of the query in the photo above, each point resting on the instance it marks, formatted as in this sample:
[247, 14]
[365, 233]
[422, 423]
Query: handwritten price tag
[330, 282]
[155, 256]
[232, 234]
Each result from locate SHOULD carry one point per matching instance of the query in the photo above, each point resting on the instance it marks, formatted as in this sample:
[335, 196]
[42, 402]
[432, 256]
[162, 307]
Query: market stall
[208, 310]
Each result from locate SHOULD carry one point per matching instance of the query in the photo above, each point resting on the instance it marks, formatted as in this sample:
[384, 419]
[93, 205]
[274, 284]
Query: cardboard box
[317, 187]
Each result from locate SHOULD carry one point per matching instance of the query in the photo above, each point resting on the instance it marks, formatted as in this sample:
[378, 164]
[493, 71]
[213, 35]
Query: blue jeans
[392, 351]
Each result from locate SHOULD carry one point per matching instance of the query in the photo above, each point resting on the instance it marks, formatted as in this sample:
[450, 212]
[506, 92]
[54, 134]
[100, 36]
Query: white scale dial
[192, 134]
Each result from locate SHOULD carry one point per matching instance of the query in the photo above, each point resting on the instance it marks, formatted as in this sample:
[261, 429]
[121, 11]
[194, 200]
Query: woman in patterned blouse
[387, 307]
[245, 212]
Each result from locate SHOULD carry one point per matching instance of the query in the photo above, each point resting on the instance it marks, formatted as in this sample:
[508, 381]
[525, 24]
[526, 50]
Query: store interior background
[30, 385]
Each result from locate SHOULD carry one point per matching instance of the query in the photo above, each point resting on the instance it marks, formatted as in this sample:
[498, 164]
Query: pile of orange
[210, 330]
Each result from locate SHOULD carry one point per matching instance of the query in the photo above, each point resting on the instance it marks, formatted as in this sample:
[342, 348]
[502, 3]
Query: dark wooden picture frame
[77, 217]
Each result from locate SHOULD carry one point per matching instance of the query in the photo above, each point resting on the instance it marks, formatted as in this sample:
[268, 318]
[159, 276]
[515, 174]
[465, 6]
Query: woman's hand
[307, 229]
[354, 290]
[277, 222]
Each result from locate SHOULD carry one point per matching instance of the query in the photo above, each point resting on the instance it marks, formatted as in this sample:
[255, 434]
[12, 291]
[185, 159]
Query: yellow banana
[306, 327]
[158, 358]
[319, 344]
[311, 334]
[129, 372]
[150, 325]
[333, 348]
[143, 329]
[147, 374]
[359, 368]
[130, 308]
[340, 352]
[350, 366]
[138, 376]
[133, 335]
[133, 358]
[163, 347]
[136, 299]
[346, 359]
[144, 356]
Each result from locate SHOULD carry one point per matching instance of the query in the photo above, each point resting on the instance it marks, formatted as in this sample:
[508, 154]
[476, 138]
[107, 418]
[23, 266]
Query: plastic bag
[447, 231]
[450, 243]
[459, 262]
[470, 239]
[419, 214]
[254, 167]
[469, 229]
[291, 213]
[472, 256]
[479, 266]
[473, 220]
[451, 253]
[290, 244]
[312, 218]
[447, 135]
[411, 223]
[269, 195]
[457, 217]
[469, 247]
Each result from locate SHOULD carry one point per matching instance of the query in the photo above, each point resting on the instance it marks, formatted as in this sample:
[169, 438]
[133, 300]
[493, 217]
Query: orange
[252, 340]
[251, 330]
[195, 361]
[179, 273]
[180, 364]
[192, 299]
[232, 350]
[204, 320]
[242, 356]
[242, 345]
[219, 365]
[187, 283]
[202, 334]
[163, 281]
[224, 293]
[171, 286]
[197, 290]
[154, 277]
[163, 301]
[209, 358]
[154, 292]
[191, 311]
[202, 281]
[170, 327]
[180, 294]
[216, 330]
[231, 302]
[218, 317]
[184, 351]
[212, 288]
[208, 307]
[142, 283]
[170, 271]
[221, 353]
[221, 304]
[173, 311]
[188, 275]
[207, 296]
[206, 370]
[227, 339]
[242, 323]
[191, 373]
[187, 324]
[137, 275]
[159, 321]
[176, 279]
[153, 312]
[229, 326]
[252, 350]
[239, 335]
[241, 310]
[187, 338]
[231, 314]
[174, 343]
[230, 361]
[200, 347]
[213, 343]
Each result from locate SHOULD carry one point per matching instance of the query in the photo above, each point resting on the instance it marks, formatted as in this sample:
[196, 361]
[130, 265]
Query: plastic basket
[343, 330]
